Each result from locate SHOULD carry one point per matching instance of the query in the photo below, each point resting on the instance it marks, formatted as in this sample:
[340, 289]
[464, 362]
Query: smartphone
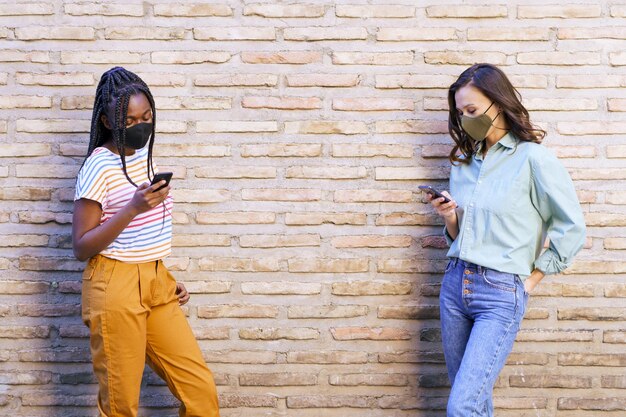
[434, 193]
[167, 176]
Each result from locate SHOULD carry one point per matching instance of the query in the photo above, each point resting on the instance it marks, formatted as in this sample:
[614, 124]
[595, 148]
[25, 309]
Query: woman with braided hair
[122, 224]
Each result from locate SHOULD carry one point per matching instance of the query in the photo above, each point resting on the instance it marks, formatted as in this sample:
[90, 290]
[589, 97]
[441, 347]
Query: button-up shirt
[508, 202]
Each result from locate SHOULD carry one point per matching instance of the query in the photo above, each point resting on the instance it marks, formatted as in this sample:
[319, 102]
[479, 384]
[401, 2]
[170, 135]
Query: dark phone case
[167, 176]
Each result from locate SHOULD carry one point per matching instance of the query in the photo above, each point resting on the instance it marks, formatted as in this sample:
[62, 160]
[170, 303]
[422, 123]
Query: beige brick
[199, 239]
[586, 359]
[410, 173]
[326, 172]
[299, 333]
[410, 357]
[372, 196]
[241, 356]
[48, 310]
[598, 404]
[303, 10]
[322, 80]
[371, 288]
[55, 79]
[409, 266]
[191, 150]
[188, 57]
[236, 80]
[322, 357]
[77, 103]
[599, 174]
[617, 58]
[616, 104]
[39, 217]
[250, 33]
[614, 336]
[592, 314]
[371, 241]
[139, 32]
[615, 290]
[618, 10]
[25, 193]
[415, 34]
[547, 335]
[369, 333]
[326, 127]
[25, 102]
[560, 104]
[282, 379]
[212, 333]
[585, 33]
[200, 196]
[192, 10]
[24, 332]
[23, 287]
[588, 81]
[281, 194]
[235, 126]
[592, 128]
[208, 287]
[235, 217]
[550, 381]
[281, 103]
[74, 33]
[464, 57]
[616, 151]
[373, 104]
[558, 11]
[559, 58]
[462, 11]
[235, 172]
[21, 149]
[615, 198]
[247, 401]
[91, 9]
[419, 312]
[327, 312]
[46, 171]
[328, 265]
[301, 219]
[372, 58]
[528, 359]
[280, 288]
[508, 34]
[239, 264]
[613, 243]
[370, 379]
[163, 79]
[286, 57]
[237, 311]
[4, 78]
[13, 55]
[16, 9]
[574, 151]
[274, 241]
[324, 33]
[411, 126]
[366, 11]
[349, 150]
[281, 150]
[413, 81]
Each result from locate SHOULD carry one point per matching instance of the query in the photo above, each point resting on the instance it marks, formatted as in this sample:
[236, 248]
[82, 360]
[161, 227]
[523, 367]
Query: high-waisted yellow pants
[133, 316]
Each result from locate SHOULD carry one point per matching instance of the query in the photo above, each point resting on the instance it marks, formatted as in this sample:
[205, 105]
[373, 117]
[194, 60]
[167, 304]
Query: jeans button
[467, 281]
[466, 291]
[467, 272]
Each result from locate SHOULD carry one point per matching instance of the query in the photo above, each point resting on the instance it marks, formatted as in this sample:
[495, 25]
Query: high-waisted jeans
[481, 311]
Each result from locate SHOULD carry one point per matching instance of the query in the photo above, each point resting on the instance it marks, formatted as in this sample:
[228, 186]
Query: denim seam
[497, 286]
[508, 329]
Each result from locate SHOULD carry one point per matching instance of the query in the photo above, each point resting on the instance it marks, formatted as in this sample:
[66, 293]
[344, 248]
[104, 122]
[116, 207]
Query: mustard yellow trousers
[133, 316]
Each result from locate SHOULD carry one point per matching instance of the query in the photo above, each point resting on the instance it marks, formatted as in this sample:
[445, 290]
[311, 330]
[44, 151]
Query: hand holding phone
[167, 176]
[434, 193]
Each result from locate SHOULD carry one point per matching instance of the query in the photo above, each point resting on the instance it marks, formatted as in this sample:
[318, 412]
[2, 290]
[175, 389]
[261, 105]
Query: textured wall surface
[298, 134]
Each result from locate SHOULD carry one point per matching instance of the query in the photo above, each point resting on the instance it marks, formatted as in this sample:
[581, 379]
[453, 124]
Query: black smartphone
[167, 176]
[434, 193]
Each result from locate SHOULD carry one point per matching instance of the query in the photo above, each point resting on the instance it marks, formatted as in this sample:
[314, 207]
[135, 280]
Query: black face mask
[138, 135]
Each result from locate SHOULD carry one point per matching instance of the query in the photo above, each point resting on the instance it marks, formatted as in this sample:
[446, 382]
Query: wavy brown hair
[495, 85]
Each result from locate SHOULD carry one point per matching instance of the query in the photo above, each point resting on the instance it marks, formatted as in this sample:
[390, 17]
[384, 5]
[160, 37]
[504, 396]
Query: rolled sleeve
[555, 199]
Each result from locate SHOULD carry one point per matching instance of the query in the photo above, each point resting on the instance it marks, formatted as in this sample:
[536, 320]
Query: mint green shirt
[508, 203]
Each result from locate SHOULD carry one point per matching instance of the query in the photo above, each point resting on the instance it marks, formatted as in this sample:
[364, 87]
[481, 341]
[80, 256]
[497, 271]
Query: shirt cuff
[449, 239]
[549, 263]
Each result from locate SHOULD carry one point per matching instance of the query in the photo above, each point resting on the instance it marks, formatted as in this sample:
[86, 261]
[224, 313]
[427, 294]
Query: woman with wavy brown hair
[507, 193]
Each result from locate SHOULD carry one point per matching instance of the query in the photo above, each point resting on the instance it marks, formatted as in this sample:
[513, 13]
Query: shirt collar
[508, 141]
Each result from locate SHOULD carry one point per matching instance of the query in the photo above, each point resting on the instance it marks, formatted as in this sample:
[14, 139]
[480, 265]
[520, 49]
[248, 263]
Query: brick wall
[298, 134]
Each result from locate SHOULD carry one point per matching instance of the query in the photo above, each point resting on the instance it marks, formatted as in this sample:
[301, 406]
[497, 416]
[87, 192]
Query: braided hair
[113, 93]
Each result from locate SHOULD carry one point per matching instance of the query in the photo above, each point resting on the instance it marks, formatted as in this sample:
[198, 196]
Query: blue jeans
[481, 311]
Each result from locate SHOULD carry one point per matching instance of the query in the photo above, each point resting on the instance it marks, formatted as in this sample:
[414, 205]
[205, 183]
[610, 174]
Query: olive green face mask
[477, 127]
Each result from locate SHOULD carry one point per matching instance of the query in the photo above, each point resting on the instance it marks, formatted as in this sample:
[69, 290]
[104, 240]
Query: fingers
[181, 292]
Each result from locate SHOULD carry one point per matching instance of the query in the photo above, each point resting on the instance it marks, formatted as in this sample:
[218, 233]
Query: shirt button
[472, 205]
[479, 181]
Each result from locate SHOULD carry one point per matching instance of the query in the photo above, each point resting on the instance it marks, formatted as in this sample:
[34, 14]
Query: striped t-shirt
[148, 237]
